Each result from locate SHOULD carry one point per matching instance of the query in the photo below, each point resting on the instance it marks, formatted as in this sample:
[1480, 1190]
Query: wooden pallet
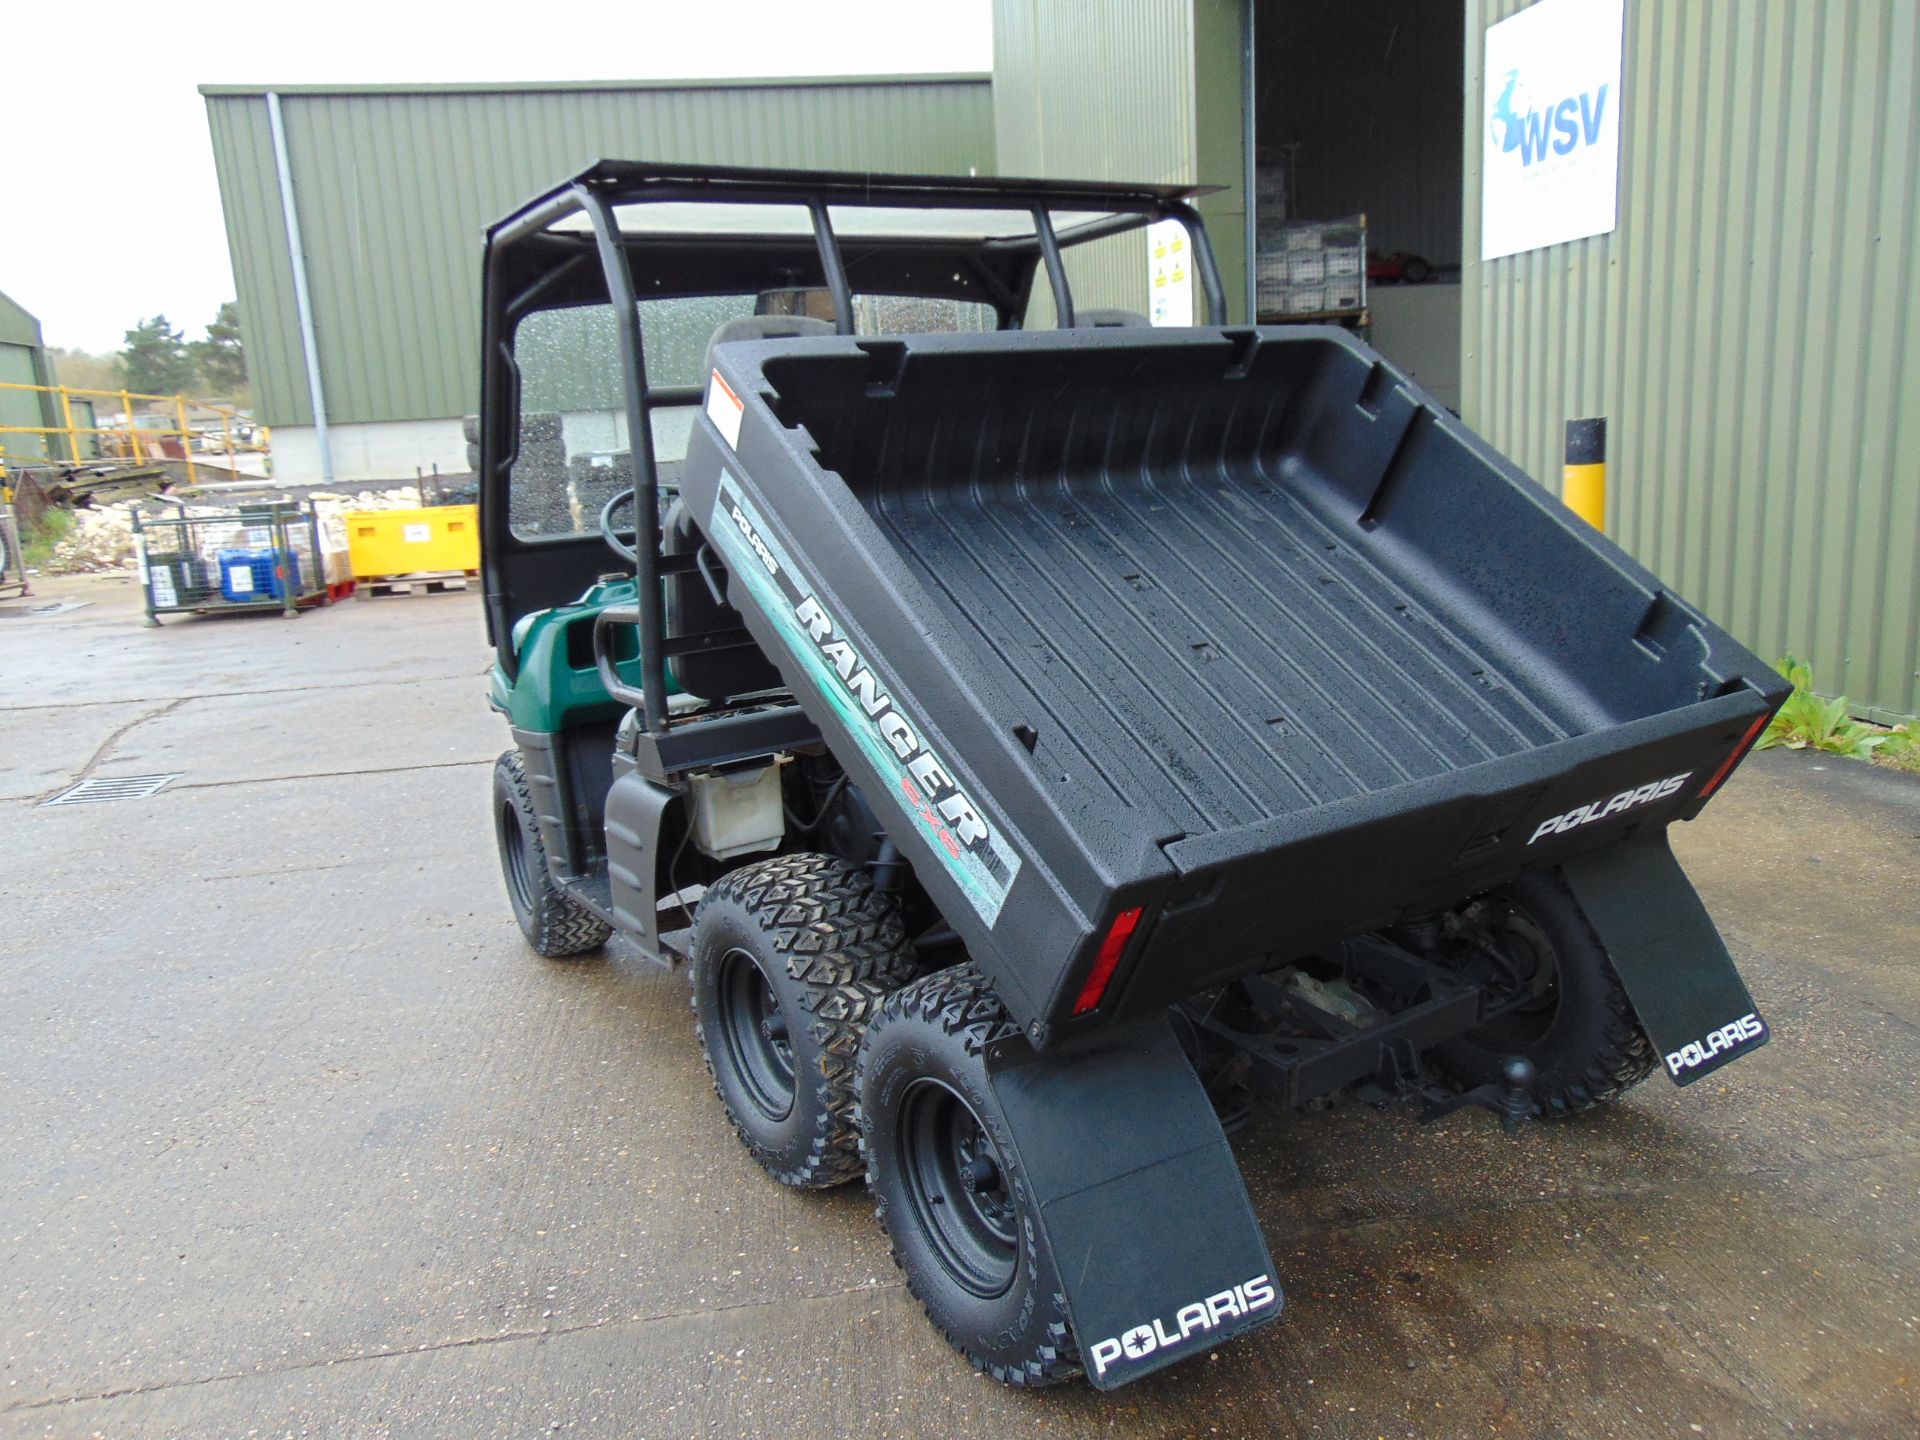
[426, 582]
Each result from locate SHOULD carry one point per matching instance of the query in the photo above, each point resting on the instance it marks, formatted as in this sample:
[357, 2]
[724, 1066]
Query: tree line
[158, 359]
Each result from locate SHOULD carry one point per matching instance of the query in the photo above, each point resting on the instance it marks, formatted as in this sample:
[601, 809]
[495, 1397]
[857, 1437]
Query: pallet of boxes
[1313, 271]
[428, 550]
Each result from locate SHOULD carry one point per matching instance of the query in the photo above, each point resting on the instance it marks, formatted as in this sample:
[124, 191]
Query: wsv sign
[1552, 107]
[1517, 124]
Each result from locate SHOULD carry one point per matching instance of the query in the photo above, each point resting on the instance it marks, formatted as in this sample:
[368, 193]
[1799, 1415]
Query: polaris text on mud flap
[1717, 1047]
[1197, 1318]
[1613, 805]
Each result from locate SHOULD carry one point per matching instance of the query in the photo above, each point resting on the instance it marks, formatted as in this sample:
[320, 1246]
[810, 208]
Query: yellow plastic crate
[406, 542]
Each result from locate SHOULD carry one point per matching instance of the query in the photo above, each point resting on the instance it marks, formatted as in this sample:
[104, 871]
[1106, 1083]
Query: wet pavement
[302, 1140]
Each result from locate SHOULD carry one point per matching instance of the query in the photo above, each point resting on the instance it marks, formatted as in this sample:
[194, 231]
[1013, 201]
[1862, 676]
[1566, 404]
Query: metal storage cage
[259, 557]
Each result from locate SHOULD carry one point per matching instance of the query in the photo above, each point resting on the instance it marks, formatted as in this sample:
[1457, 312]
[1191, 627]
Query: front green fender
[559, 685]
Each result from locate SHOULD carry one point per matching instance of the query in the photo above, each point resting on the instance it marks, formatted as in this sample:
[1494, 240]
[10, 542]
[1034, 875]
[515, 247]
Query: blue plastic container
[250, 576]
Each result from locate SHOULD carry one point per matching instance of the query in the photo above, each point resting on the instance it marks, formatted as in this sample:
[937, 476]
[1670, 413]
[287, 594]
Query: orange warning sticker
[724, 409]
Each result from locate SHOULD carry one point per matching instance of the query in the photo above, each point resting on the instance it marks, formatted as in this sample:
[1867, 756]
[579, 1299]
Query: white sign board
[1169, 273]
[1550, 133]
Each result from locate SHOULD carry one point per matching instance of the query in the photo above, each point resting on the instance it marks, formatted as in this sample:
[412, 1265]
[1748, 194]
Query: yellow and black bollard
[1584, 482]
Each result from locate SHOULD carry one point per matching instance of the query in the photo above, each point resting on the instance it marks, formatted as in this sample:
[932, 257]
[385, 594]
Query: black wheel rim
[957, 1187]
[753, 1030]
[513, 859]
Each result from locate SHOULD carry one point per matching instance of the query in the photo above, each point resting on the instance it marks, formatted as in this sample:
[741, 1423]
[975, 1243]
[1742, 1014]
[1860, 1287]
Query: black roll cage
[531, 266]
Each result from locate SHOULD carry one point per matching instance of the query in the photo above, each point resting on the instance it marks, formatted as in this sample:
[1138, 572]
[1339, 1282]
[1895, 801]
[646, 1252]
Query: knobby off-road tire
[791, 959]
[965, 1233]
[554, 924]
[1585, 1041]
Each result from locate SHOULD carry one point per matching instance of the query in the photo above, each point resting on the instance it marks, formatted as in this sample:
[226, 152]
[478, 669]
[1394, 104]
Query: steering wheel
[612, 536]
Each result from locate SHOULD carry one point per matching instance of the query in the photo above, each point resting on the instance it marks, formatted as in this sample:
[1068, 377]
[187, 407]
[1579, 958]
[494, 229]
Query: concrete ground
[300, 1139]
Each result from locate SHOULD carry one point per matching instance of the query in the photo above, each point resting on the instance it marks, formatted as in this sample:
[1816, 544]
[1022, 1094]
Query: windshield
[574, 453]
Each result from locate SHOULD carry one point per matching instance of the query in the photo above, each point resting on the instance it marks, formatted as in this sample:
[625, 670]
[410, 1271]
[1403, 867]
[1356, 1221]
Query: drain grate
[103, 788]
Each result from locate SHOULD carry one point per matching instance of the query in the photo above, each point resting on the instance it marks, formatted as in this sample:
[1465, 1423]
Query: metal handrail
[135, 434]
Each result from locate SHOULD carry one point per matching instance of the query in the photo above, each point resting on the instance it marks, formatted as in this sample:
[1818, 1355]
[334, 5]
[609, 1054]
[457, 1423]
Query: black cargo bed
[1236, 626]
[1206, 644]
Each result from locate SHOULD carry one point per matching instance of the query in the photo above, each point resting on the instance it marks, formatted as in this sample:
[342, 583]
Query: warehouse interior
[1358, 109]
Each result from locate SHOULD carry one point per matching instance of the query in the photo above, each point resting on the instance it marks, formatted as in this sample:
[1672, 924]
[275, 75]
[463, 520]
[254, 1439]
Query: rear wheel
[554, 924]
[948, 1186]
[791, 958]
[1572, 1018]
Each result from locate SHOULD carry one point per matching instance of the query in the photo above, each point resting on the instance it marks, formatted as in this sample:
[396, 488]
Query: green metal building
[391, 188]
[1747, 327]
[23, 361]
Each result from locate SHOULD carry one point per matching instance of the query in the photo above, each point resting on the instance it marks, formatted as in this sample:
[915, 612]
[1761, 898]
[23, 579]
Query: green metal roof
[522, 87]
[396, 185]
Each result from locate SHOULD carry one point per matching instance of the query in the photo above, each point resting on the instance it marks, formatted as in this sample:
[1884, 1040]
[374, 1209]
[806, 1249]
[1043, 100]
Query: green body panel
[553, 692]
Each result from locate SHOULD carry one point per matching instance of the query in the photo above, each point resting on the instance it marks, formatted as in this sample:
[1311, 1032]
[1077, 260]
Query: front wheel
[948, 1186]
[1571, 1018]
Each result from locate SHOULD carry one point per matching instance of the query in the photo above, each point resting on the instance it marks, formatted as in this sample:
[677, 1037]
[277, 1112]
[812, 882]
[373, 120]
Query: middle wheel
[791, 957]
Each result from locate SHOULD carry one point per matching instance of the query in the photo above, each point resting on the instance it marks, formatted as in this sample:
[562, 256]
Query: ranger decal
[974, 849]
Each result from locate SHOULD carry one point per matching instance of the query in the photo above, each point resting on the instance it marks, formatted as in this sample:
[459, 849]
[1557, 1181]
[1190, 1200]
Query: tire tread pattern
[1625, 1059]
[961, 1003]
[842, 940]
[562, 927]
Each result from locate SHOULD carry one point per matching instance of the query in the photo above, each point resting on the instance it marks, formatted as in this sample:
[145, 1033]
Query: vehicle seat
[1108, 319]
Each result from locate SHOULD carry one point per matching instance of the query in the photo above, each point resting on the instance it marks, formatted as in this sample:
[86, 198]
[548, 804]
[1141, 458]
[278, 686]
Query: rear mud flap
[1664, 946]
[1139, 1197]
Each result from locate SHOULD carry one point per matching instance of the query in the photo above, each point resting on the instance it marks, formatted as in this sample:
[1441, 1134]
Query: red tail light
[1108, 960]
[1726, 765]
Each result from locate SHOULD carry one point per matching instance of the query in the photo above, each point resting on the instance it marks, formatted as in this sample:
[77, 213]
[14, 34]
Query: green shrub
[1807, 722]
[1900, 750]
[38, 539]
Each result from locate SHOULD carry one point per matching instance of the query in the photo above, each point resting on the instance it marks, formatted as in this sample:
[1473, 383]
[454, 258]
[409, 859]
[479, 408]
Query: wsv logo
[1535, 131]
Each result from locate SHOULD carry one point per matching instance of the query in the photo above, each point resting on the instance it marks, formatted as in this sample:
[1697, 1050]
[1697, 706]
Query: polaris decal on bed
[1197, 1318]
[974, 849]
[1609, 805]
[1713, 1050]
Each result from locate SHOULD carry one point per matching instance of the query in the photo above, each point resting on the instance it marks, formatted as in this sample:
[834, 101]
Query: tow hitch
[1511, 1100]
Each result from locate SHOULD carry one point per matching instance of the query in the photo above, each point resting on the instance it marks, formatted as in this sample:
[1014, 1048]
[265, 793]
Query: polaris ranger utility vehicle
[1033, 740]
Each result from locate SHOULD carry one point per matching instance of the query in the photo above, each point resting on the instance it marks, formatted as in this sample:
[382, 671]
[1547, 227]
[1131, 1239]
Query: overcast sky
[113, 212]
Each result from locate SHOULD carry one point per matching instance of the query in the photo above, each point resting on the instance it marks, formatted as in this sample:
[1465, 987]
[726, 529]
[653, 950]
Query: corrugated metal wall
[23, 361]
[1750, 330]
[395, 187]
[17, 327]
[1105, 90]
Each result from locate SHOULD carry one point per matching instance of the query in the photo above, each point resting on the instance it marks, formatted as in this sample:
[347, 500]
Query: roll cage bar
[536, 259]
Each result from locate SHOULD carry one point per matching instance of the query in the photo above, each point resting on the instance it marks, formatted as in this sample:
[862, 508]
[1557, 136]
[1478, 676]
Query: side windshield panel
[574, 453]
